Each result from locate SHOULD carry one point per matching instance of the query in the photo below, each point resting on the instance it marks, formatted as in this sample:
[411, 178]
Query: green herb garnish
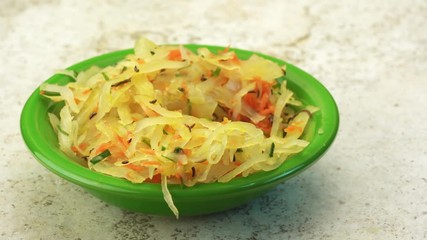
[105, 76]
[62, 131]
[216, 72]
[189, 107]
[49, 94]
[100, 157]
[146, 141]
[178, 150]
[280, 80]
[272, 150]
[168, 158]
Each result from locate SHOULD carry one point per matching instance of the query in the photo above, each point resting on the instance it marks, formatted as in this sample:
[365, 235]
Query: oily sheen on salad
[171, 116]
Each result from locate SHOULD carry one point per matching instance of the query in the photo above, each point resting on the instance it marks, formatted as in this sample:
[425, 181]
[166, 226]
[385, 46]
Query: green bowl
[199, 199]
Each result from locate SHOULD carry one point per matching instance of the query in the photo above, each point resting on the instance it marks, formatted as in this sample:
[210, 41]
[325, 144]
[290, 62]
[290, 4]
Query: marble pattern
[372, 56]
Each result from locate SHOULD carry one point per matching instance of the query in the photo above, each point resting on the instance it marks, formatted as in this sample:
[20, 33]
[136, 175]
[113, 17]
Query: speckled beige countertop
[372, 56]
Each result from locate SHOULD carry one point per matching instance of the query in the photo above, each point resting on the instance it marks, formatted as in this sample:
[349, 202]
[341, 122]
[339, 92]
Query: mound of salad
[167, 115]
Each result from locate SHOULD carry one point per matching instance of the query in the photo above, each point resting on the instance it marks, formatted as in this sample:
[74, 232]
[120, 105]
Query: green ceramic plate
[197, 200]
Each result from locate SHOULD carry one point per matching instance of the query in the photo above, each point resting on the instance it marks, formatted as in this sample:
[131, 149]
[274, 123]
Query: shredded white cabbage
[167, 115]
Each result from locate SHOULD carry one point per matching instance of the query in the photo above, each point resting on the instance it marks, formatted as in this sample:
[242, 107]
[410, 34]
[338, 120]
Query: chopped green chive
[100, 157]
[178, 150]
[62, 131]
[189, 107]
[163, 148]
[168, 158]
[146, 141]
[47, 93]
[105, 76]
[280, 79]
[123, 69]
[216, 72]
[272, 150]
[239, 150]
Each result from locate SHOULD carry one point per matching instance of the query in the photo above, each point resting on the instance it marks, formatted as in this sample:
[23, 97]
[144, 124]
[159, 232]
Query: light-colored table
[372, 56]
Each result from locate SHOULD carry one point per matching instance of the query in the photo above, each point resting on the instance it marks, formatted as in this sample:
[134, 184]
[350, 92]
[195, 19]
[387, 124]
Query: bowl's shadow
[288, 208]
[51, 206]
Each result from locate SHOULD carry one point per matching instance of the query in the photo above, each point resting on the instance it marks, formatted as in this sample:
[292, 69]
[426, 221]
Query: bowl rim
[62, 166]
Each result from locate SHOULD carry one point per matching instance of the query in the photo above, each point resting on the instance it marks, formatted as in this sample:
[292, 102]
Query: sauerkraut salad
[167, 115]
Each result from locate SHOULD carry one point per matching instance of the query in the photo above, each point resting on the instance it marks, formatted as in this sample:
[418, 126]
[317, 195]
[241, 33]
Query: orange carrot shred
[175, 55]
[150, 163]
[224, 51]
[74, 149]
[83, 145]
[293, 128]
[148, 151]
[134, 167]
[156, 178]
[235, 59]
[187, 152]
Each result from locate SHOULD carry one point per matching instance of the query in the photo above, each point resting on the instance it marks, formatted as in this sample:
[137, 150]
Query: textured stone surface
[372, 56]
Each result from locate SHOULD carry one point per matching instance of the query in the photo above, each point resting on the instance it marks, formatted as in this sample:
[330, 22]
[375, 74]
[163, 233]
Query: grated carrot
[293, 128]
[134, 167]
[150, 163]
[175, 55]
[187, 151]
[148, 151]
